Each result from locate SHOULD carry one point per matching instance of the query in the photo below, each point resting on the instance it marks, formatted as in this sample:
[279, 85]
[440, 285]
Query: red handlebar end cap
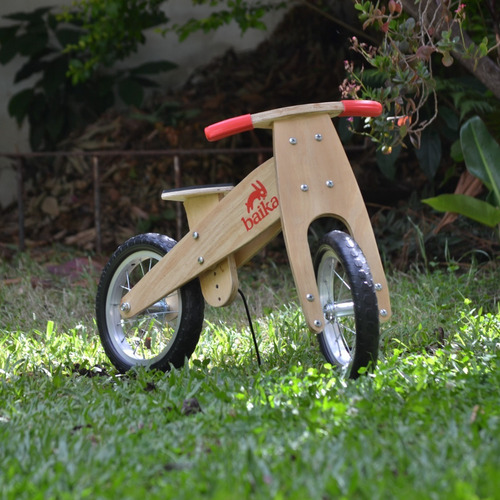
[229, 127]
[361, 108]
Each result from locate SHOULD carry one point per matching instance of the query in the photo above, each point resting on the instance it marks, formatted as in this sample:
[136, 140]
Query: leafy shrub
[417, 41]
[481, 153]
[54, 105]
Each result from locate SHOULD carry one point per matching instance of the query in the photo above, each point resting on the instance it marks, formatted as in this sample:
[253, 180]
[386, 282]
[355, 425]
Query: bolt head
[125, 307]
[329, 183]
[383, 313]
[378, 287]
[318, 137]
[304, 187]
[292, 141]
[310, 297]
[317, 322]
[201, 260]
[196, 235]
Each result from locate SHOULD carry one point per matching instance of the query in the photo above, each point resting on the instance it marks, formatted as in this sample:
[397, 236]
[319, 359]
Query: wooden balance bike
[150, 299]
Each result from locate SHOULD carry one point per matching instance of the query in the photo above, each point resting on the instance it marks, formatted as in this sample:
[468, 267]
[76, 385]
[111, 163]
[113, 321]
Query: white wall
[197, 50]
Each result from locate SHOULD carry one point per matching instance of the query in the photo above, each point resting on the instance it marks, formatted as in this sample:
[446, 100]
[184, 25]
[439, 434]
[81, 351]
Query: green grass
[425, 424]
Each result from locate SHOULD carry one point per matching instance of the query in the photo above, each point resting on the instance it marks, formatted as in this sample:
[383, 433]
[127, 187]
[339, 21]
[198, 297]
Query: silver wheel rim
[339, 334]
[145, 338]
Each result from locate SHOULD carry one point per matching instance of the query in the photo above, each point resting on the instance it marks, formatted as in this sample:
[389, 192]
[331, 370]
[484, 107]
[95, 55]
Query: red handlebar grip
[361, 108]
[229, 127]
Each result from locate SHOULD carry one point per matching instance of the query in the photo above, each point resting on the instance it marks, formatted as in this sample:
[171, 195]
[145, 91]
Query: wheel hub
[333, 311]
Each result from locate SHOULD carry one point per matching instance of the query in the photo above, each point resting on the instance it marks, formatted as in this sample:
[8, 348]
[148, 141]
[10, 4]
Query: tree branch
[484, 69]
[353, 29]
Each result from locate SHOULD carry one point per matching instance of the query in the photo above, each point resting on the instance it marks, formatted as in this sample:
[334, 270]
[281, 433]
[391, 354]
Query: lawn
[425, 424]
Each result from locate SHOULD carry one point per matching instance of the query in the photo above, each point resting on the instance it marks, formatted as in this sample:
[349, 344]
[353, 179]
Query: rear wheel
[163, 335]
[348, 298]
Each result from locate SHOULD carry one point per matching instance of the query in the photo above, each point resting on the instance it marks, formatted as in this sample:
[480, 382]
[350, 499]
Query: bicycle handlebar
[244, 123]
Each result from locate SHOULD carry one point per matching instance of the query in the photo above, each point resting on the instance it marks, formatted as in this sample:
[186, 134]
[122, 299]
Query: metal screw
[318, 137]
[125, 307]
[201, 260]
[304, 187]
[196, 235]
[292, 141]
[310, 297]
[378, 287]
[317, 322]
[329, 184]
[383, 312]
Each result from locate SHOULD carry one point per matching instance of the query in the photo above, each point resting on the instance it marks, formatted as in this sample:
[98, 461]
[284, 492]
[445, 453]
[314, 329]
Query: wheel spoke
[344, 282]
[142, 269]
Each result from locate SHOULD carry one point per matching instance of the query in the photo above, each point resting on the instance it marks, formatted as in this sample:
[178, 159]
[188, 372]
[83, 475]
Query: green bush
[481, 153]
[53, 44]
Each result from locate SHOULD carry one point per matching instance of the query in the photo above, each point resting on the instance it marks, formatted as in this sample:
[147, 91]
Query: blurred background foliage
[426, 66]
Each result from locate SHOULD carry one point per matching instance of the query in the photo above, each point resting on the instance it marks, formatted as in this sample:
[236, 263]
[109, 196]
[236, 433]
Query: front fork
[315, 179]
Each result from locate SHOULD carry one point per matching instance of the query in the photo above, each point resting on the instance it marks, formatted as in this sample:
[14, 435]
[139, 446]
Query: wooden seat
[182, 194]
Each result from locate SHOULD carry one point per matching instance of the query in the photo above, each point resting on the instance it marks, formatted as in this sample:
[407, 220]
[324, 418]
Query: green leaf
[7, 33]
[54, 78]
[31, 44]
[67, 36]
[131, 92]
[145, 82]
[429, 153]
[54, 125]
[471, 207]
[34, 65]
[19, 105]
[481, 154]
[9, 50]
[153, 67]
[387, 163]
[34, 16]
[449, 117]
[456, 152]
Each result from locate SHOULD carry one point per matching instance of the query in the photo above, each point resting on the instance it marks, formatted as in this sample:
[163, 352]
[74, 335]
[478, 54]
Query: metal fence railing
[19, 160]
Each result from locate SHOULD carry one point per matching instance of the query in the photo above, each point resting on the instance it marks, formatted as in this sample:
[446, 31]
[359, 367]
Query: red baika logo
[263, 208]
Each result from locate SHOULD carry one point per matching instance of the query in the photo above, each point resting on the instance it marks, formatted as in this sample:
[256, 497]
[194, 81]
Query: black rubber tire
[165, 334]
[348, 298]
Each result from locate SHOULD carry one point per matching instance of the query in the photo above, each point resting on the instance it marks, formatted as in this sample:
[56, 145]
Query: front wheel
[348, 298]
[167, 332]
